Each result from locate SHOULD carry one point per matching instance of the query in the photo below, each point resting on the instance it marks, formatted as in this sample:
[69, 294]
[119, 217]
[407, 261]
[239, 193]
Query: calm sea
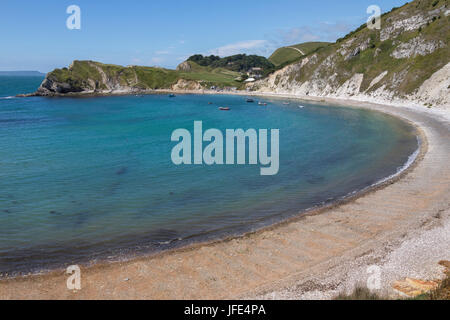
[92, 178]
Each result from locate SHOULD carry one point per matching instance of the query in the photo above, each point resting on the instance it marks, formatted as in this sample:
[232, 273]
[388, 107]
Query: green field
[289, 54]
[211, 76]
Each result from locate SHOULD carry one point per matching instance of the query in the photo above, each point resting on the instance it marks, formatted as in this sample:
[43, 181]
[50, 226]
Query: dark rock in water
[6, 211]
[122, 171]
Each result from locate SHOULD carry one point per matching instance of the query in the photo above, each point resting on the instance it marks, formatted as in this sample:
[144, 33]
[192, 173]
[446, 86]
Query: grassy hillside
[238, 63]
[412, 46]
[211, 76]
[368, 52]
[415, 68]
[91, 76]
[289, 54]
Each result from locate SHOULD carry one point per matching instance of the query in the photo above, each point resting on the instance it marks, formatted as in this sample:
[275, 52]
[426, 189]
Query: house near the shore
[255, 72]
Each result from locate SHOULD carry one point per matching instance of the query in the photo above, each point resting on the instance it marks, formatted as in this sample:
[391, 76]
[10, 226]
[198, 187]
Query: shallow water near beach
[92, 178]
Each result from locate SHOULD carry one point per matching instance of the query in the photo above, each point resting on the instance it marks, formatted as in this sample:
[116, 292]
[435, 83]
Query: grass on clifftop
[338, 63]
[286, 55]
[92, 75]
[77, 76]
[211, 76]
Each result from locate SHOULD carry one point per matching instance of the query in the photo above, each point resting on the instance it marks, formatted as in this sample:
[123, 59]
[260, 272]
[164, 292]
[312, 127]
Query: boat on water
[250, 100]
[286, 103]
[224, 109]
[172, 95]
[262, 103]
[301, 107]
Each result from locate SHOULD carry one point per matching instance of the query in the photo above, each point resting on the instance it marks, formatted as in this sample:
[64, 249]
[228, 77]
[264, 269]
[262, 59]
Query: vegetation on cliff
[290, 54]
[237, 63]
[96, 77]
[395, 61]
[205, 72]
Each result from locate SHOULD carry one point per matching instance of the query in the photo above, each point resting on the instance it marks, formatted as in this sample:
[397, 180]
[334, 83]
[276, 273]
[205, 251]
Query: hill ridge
[408, 60]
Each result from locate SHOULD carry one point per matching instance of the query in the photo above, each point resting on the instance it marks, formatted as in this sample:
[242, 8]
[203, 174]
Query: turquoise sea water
[92, 178]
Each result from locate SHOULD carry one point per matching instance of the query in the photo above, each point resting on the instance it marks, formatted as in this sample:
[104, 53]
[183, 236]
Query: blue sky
[34, 35]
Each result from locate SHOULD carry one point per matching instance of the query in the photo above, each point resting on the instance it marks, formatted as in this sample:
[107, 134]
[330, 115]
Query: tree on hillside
[238, 62]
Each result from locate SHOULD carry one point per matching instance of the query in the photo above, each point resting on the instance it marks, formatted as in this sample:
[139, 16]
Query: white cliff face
[396, 27]
[112, 85]
[351, 87]
[187, 85]
[377, 79]
[416, 46]
[408, 24]
[412, 67]
[436, 90]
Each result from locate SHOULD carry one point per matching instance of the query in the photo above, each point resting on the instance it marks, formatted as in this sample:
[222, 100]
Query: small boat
[224, 109]
[250, 100]
[262, 103]
[172, 95]
[301, 107]
[286, 103]
[210, 103]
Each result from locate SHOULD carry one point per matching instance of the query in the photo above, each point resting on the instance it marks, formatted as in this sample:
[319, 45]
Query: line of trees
[238, 62]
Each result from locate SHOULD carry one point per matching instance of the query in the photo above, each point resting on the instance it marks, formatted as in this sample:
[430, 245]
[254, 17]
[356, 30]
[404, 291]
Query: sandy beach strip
[400, 226]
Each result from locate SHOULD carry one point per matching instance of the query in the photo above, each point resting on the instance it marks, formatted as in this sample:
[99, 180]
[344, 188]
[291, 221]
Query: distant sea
[85, 179]
[21, 74]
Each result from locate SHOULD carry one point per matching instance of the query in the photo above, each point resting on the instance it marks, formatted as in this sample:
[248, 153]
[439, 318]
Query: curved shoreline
[58, 279]
[139, 247]
[130, 253]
